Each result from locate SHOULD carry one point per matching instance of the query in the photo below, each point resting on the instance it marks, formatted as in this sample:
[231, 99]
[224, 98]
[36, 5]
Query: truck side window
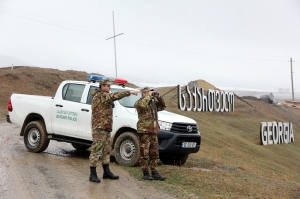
[90, 97]
[73, 92]
[128, 101]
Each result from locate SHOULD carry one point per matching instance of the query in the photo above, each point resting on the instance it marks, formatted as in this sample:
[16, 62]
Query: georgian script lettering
[218, 101]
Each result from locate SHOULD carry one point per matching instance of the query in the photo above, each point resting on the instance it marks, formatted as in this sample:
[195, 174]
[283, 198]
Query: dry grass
[231, 162]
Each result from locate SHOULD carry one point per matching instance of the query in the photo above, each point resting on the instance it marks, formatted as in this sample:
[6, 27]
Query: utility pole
[292, 79]
[115, 42]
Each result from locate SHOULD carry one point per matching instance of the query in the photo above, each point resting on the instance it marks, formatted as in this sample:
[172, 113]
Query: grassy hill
[231, 162]
[238, 166]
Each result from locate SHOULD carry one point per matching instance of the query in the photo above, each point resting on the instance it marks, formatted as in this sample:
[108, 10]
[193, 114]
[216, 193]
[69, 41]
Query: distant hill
[6, 61]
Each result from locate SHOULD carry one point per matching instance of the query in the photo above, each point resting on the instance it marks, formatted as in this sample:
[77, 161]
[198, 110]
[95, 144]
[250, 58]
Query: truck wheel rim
[127, 150]
[34, 137]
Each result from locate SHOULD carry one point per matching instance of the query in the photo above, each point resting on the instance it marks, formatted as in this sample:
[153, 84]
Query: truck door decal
[66, 115]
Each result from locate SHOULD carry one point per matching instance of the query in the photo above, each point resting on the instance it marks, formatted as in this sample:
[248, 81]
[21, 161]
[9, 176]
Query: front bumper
[171, 142]
[7, 118]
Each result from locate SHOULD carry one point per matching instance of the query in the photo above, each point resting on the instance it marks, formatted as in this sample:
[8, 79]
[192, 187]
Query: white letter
[230, 101]
[190, 98]
[204, 101]
[263, 137]
[291, 133]
[195, 98]
[217, 93]
[222, 99]
[179, 99]
[285, 132]
[211, 99]
[280, 131]
[200, 101]
[269, 125]
[275, 133]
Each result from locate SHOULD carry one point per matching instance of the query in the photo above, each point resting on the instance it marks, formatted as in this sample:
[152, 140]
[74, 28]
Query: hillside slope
[33, 81]
[231, 162]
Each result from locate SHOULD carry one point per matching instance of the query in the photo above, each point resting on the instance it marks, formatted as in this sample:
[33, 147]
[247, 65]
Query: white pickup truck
[67, 118]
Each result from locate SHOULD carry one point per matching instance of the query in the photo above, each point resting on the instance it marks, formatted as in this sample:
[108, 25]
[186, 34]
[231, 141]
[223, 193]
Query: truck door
[84, 124]
[66, 111]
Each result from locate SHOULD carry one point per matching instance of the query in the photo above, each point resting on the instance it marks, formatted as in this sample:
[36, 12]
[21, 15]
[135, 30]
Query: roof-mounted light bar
[95, 78]
[120, 81]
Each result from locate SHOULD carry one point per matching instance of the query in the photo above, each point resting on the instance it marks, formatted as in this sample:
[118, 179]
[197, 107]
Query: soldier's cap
[146, 89]
[105, 82]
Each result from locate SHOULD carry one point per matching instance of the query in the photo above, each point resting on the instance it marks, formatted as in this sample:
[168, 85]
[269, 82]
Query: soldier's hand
[134, 92]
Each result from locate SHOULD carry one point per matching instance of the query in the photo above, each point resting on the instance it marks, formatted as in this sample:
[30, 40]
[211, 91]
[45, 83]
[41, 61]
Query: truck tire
[127, 149]
[80, 146]
[35, 137]
[177, 160]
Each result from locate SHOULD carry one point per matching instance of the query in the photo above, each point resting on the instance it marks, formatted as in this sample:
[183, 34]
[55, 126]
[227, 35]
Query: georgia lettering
[276, 133]
[215, 100]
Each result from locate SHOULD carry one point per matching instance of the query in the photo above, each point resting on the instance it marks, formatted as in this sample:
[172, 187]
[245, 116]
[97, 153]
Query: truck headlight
[165, 125]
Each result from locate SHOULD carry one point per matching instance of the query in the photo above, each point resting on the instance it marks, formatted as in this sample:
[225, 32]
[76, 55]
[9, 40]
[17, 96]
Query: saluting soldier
[148, 127]
[101, 128]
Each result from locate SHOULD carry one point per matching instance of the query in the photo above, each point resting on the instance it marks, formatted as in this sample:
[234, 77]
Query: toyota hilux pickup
[66, 117]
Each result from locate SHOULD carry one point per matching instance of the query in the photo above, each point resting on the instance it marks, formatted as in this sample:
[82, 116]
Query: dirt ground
[59, 172]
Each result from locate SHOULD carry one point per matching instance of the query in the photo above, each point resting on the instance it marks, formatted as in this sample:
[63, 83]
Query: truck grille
[184, 128]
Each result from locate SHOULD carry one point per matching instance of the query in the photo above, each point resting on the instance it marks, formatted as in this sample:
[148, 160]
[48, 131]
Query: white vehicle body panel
[23, 105]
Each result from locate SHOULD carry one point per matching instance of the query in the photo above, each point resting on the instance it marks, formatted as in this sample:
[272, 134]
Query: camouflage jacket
[102, 108]
[147, 108]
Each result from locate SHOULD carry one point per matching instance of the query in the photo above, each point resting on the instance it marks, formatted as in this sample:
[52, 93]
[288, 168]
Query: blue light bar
[96, 77]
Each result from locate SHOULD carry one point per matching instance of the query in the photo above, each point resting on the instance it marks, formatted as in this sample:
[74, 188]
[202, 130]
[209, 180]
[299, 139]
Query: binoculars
[155, 94]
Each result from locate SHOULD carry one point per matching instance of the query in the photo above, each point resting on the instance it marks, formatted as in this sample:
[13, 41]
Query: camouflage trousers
[100, 148]
[149, 151]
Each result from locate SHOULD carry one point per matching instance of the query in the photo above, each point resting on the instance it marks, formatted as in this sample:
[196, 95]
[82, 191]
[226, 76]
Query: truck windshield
[127, 101]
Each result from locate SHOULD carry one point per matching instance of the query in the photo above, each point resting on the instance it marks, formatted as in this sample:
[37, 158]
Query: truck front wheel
[127, 149]
[35, 137]
[176, 160]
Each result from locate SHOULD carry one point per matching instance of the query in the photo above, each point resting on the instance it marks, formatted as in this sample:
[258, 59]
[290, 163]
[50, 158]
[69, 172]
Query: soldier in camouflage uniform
[148, 127]
[101, 128]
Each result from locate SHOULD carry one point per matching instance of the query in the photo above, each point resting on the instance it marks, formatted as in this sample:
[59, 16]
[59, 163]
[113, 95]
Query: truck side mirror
[113, 105]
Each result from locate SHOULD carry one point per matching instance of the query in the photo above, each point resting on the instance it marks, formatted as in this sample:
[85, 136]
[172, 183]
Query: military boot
[93, 175]
[107, 174]
[156, 176]
[147, 176]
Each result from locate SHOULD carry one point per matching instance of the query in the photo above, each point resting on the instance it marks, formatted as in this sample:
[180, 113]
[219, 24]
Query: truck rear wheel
[127, 149]
[35, 137]
[177, 160]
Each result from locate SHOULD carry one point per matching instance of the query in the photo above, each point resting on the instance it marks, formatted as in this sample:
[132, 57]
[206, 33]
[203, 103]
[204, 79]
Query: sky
[228, 43]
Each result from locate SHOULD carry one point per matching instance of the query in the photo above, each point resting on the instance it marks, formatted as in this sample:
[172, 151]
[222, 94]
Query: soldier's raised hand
[134, 92]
